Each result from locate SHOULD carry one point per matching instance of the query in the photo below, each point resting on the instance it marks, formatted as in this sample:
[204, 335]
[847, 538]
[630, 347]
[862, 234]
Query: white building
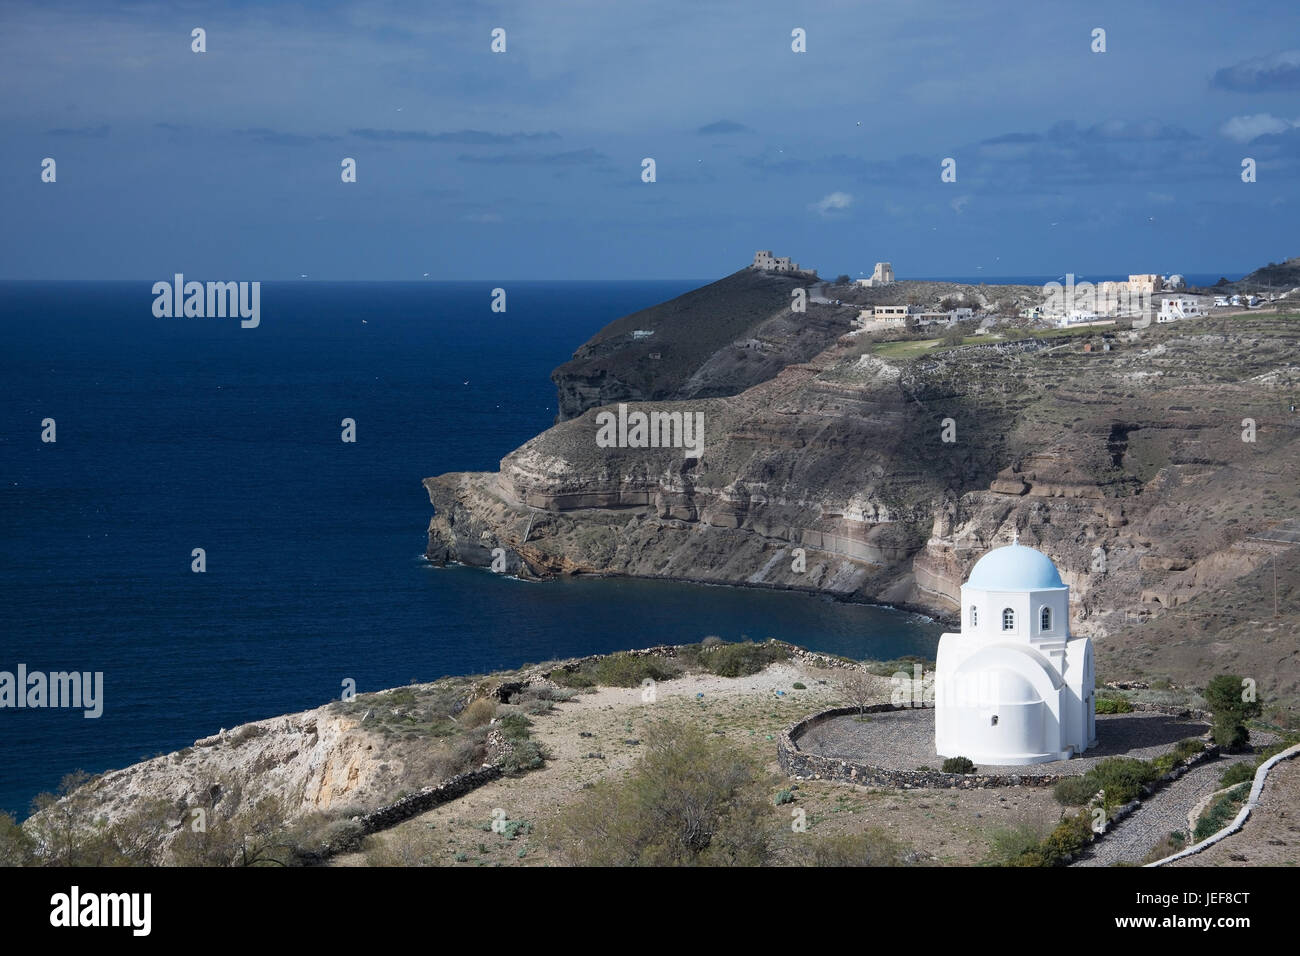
[1182, 307]
[882, 275]
[1012, 687]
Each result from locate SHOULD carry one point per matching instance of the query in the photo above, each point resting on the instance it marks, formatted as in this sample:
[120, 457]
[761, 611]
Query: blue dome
[1014, 568]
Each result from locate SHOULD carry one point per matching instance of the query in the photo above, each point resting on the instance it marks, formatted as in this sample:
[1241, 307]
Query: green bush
[1070, 836]
[629, 670]
[1113, 705]
[692, 799]
[799, 685]
[1189, 747]
[1237, 773]
[1229, 732]
[514, 726]
[783, 796]
[1225, 694]
[1121, 777]
[525, 755]
[873, 847]
[1221, 811]
[1182, 750]
[958, 765]
[740, 660]
[1075, 791]
[577, 679]
[1010, 844]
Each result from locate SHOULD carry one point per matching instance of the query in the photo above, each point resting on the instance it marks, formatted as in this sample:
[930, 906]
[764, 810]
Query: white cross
[1015, 535]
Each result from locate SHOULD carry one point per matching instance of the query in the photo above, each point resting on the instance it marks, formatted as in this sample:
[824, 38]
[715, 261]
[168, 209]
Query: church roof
[1014, 568]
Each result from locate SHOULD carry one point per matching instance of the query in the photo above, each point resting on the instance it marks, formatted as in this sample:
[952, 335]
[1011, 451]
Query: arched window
[1045, 619]
[974, 616]
[1008, 619]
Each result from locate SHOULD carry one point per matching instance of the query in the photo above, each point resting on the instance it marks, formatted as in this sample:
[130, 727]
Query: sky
[528, 163]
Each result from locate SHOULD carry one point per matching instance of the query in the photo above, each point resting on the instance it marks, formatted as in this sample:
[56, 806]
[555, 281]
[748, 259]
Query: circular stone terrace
[895, 747]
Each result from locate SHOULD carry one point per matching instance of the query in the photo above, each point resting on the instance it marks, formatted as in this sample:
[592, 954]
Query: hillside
[1126, 466]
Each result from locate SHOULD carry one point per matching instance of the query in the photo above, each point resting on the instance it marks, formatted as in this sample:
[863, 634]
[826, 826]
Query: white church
[1012, 687]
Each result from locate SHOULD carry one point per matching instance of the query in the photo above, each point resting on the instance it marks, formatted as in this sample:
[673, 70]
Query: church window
[1045, 619]
[974, 616]
[1008, 619]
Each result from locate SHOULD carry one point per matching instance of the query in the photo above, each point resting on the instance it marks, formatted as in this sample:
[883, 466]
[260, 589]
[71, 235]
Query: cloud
[1262, 74]
[88, 132]
[1243, 129]
[722, 126]
[832, 202]
[464, 137]
[1118, 131]
[272, 137]
[1012, 138]
[576, 157]
[959, 204]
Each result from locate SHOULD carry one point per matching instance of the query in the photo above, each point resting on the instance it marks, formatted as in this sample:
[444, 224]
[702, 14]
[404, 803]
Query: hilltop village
[882, 302]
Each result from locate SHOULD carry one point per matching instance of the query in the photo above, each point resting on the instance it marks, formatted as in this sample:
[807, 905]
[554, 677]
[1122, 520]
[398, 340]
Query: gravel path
[1133, 838]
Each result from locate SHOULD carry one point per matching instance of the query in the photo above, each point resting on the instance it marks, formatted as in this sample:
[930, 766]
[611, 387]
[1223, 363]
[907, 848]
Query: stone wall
[802, 765]
[427, 798]
[808, 766]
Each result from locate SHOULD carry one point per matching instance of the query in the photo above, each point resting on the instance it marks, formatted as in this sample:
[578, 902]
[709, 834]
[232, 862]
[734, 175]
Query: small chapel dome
[1014, 568]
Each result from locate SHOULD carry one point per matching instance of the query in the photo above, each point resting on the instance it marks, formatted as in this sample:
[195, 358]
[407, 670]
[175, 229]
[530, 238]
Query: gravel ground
[904, 740]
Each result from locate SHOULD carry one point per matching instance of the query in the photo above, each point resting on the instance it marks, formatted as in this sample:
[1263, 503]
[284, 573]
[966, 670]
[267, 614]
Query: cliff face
[1126, 466]
[716, 340]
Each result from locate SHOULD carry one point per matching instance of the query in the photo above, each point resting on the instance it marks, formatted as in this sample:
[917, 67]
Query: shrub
[629, 670]
[1221, 811]
[514, 726]
[1225, 697]
[799, 685]
[479, 712]
[872, 847]
[575, 679]
[958, 765]
[1189, 748]
[1069, 837]
[1172, 843]
[1121, 777]
[1113, 705]
[1075, 791]
[691, 799]
[1182, 750]
[743, 659]
[1009, 844]
[1229, 732]
[782, 797]
[524, 755]
[1237, 773]
[16, 847]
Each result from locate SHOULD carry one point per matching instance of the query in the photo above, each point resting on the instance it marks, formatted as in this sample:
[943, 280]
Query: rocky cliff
[883, 478]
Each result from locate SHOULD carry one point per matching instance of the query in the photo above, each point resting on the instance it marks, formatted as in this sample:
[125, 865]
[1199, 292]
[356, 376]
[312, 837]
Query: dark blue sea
[183, 433]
